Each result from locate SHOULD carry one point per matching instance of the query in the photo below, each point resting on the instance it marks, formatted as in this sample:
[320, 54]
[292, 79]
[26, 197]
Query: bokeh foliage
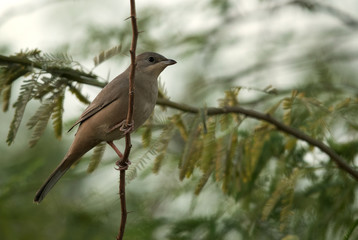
[244, 179]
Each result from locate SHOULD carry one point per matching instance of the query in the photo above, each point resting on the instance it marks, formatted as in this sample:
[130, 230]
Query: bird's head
[152, 63]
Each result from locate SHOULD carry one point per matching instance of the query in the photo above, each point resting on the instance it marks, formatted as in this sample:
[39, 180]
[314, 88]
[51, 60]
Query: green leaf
[96, 157]
[57, 115]
[209, 146]
[156, 148]
[161, 147]
[29, 53]
[178, 121]
[230, 98]
[6, 94]
[79, 95]
[192, 149]
[48, 60]
[10, 74]
[273, 109]
[270, 90]
[225, 121]
[20, 105]
[219, 163]
[105, 55]
[203, 180]
[140, 162]
[284, 190]
[39, 121]
[227, 161]
[146, 137]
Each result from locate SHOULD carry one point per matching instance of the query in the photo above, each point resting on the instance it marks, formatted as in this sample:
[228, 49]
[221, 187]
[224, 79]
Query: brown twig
[129, 122]
[268, 118]
[122, 196]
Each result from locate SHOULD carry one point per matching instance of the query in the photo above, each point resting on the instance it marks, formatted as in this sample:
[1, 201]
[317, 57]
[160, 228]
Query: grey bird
[104, 118]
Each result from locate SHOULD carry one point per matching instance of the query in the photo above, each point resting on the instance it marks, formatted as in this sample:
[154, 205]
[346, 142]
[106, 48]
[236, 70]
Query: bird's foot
[123, 127]
[120, 164]
[123, 165]
[127, 128]
[118, 125]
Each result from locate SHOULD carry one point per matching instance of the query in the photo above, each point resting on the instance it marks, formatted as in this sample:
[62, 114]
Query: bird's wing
[109, 94]
[90, 111]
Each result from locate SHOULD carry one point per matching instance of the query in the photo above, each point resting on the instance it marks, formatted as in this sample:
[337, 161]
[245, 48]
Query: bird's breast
[144, 103]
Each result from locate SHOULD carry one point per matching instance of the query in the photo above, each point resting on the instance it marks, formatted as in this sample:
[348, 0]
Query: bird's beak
[169, 62]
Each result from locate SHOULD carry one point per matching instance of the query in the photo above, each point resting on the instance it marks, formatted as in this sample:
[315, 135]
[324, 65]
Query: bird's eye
[151, 59]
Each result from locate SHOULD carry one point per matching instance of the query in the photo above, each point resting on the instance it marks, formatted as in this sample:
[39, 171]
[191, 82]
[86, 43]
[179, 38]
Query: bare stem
[133, 62]
[122, 196]
[129, 121]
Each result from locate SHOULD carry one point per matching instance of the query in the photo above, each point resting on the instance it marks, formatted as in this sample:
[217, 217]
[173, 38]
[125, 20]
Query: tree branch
[69, 73]
[267, 118]
[129, 121]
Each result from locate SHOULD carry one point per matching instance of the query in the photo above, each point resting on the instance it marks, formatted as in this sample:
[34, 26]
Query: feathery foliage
[39, 120]
[57, 116]
[45, 78]
[78, 94]
[96, 157]
[162, 146]
[192, 150]
[156, 149]
[20, 105]
[244, 178]
[105, 55]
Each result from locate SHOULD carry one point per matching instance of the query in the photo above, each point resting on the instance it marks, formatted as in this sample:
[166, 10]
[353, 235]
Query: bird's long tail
[54, 177]
[83, 142]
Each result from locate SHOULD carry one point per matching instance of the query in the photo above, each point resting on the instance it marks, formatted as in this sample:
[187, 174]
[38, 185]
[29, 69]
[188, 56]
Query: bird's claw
[127, 128]
[123, 127]
[122, 165]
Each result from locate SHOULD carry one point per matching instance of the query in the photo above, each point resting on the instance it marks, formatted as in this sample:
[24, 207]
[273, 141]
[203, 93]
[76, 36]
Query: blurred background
[266, 48]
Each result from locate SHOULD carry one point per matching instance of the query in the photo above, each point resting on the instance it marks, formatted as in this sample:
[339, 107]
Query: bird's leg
[123, 127]
[121, 165]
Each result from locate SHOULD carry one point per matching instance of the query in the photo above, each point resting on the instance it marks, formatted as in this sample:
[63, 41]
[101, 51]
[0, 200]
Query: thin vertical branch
[122, 195]
[129, 121]
[133, 63]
